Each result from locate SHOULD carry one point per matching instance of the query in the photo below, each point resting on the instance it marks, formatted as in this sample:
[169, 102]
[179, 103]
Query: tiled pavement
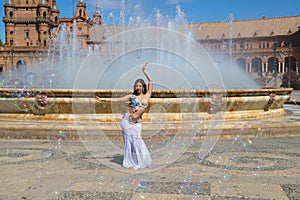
[238, 168]
[252, 167]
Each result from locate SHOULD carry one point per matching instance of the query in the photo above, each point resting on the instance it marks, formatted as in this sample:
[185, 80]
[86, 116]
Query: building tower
[54, 14]
[97, 31]
[81, 18]
[81, 10]
[9, 22]
[28, 25]
[43, 11]
[97, 16]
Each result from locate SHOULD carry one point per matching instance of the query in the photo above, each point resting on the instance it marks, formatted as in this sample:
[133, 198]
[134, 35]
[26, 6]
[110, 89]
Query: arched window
[44, 14]
[80, 13]
[272, 67]
[241, 63]
[11, 14]
[256, 66]
[21, 65]
[290, 63]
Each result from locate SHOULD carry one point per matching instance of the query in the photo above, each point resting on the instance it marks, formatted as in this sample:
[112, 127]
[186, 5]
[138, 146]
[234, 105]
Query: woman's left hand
[144, 66]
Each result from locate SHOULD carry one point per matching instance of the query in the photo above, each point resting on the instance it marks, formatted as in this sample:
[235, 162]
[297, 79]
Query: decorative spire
[97, 16]
[43, 1]
[54, 4]
[97, 10]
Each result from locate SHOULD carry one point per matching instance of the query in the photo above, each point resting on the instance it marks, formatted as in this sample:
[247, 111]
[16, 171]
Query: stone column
[250, 67]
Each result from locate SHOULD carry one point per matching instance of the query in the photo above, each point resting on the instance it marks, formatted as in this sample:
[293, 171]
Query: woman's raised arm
[150, 84]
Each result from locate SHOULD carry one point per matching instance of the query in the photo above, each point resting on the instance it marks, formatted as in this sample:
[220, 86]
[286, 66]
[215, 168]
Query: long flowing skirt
[136, 154]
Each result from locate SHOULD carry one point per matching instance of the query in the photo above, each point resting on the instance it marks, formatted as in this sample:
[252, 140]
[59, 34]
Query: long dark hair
[144, 86]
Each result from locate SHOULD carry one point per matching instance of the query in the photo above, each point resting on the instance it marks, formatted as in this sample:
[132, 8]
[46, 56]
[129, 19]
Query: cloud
[105, 4]
[177, 1]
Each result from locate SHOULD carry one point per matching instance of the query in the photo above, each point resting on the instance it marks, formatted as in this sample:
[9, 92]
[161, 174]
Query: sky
[193, 10]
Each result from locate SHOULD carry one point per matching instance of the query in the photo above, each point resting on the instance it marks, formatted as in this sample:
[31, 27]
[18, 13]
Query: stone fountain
[165, 106]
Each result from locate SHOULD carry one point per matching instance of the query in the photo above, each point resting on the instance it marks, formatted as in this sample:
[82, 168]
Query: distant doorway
[21, 66]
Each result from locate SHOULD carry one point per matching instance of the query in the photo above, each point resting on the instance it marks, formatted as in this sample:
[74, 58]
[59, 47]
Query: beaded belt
[129, 118]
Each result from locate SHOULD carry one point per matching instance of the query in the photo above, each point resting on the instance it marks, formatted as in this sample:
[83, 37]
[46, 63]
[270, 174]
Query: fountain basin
[162, 102]
[76, 113]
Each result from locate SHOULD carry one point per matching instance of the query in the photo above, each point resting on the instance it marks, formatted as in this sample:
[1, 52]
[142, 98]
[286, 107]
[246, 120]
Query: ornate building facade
[260, 46]
[30, 26]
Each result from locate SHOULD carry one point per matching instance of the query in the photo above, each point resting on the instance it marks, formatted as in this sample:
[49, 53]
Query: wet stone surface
[292, 191]
[20, 156]
[94, 195]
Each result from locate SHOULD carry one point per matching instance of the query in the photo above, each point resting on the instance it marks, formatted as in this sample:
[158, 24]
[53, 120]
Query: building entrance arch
[21, 65]
[241, 63]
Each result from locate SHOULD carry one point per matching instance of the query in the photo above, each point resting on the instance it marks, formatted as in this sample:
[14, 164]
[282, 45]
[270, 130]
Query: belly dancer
[136, 153]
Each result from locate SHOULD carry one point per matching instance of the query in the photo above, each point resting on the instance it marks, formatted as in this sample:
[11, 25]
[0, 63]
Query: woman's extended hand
[150, 85]
[144, 66]
[100, 99]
